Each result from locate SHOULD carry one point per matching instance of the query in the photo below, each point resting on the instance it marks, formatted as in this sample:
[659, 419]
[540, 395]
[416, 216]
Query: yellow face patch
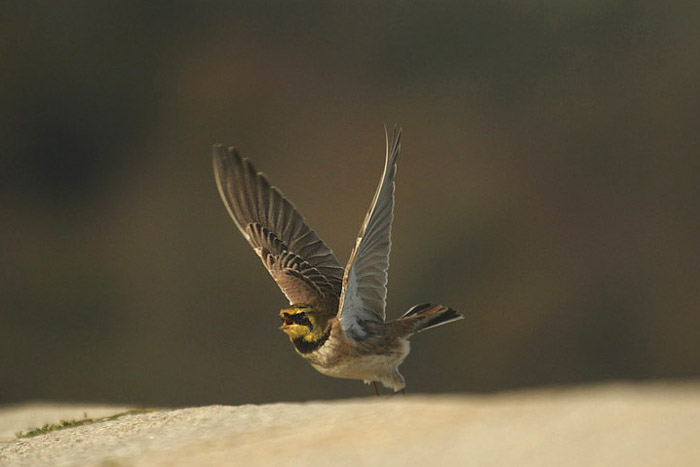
[301, 321]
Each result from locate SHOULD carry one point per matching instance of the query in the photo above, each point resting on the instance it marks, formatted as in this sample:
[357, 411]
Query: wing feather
[297, 259]
[364, 283]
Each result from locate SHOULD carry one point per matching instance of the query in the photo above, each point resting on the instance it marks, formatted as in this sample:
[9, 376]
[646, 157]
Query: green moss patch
[63, 424]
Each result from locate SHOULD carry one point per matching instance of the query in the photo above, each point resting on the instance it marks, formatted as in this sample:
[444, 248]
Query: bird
[336, 318]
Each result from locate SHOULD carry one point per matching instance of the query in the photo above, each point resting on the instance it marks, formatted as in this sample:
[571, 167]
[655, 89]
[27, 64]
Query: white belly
[366, 367]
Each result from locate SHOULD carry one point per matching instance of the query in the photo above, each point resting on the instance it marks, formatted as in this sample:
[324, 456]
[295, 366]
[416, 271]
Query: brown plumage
[337, 319]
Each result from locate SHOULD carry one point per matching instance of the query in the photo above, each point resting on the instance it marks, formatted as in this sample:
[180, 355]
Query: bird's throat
[303, 346]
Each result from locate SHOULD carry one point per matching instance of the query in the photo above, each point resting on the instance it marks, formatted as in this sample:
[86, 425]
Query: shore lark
[336, 319]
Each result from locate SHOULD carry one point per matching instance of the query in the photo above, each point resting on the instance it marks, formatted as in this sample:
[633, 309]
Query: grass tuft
[63, 424]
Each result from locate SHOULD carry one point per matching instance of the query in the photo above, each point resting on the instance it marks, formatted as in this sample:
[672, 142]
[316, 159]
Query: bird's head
[303, 322]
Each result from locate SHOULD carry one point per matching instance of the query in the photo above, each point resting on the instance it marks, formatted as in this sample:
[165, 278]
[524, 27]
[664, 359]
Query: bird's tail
[427, 316]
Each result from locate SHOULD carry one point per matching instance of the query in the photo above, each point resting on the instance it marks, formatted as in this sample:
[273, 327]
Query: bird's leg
[376, 389]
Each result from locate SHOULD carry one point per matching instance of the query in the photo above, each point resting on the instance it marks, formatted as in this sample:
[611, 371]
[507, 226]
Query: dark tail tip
[426, 316]
[444, 317]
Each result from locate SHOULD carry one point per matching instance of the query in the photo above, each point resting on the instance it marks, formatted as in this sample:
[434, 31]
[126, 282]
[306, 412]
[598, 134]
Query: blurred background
[548, 187]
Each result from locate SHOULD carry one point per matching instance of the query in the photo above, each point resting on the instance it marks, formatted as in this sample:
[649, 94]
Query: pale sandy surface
[611, 425]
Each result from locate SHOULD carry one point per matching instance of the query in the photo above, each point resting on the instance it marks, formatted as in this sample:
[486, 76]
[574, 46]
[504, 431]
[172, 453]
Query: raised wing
[302, 265]
[364, 284]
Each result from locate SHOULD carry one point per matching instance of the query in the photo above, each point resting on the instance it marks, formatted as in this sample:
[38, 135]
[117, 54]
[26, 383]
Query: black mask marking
[304, 346]
[298, 318]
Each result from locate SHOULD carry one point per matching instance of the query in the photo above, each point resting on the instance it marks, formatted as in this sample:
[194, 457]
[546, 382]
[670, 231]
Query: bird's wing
[297, 259]
[364, 283]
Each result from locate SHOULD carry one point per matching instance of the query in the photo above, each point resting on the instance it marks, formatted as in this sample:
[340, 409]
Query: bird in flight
[336, 319]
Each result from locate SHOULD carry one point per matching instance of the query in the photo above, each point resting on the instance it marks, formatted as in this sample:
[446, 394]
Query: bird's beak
[286, 319]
